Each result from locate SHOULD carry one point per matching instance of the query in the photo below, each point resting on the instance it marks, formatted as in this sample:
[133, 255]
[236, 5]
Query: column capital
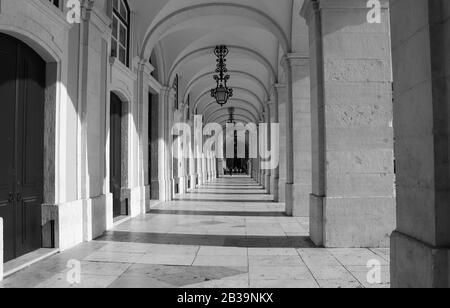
[308, 7]
[168, 91]
[295, 59]
[144, 65]
[274, 90]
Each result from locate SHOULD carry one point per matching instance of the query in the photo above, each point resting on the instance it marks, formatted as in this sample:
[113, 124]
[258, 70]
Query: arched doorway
[22, 92]
[120, 204]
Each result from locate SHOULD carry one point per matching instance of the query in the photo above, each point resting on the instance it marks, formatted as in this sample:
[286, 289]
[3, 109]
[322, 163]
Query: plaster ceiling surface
[186, 32]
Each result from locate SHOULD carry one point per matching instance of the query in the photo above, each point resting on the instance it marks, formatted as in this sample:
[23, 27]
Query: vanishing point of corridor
[227, 234]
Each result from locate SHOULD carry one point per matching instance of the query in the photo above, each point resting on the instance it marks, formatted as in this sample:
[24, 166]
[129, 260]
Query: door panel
[30, 151]
[22, 89]
[116, 154]
[8, 76]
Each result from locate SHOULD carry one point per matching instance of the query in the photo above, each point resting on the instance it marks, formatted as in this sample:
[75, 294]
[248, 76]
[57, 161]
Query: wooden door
[22, 99]
[119, 208]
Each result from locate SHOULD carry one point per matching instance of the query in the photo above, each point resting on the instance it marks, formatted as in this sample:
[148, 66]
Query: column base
[352, 222]
[169, 189]
[182, 185]
[301, 200]
[193, 182]
[267, 183]
[138, 200]
[154, 190]
[282, 190]
[274, 189]
[415, 264]
[97, 216]
[289, 199]
[69, 224]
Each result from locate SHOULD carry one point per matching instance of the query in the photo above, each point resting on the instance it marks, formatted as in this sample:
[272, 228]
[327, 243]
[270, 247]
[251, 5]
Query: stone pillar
[352, 204]
[274, 118]
[214, 162]
[282, 99]
[299, 174]
[420, 255]
[205, 169]
[267, 145]
[165, 144]
[144, 74]
[181, 169]
[192, 169]
[208, 166]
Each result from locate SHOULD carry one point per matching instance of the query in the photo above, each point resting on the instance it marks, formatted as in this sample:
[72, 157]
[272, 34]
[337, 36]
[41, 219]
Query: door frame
[55, 92]
[125, 141]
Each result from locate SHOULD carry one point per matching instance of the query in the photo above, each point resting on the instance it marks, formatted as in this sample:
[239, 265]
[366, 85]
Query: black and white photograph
[224, 151]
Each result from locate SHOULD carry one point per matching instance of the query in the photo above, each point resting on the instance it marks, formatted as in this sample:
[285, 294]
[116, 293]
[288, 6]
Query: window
[121, 31]
[188, 104]
[175, 87]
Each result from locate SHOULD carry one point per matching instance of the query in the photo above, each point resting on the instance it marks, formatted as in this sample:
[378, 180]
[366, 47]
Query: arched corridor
[251, 143]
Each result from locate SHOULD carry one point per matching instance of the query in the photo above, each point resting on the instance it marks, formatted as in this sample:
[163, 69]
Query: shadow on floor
[222, 201]
[218, 213]
[209, 240]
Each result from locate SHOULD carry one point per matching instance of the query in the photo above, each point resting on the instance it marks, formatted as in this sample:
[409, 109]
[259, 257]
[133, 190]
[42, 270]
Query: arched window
[121, 31]
[175, 87]
[188, 103]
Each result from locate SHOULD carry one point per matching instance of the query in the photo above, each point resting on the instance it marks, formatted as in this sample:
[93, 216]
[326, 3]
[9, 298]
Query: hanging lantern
[221, 93]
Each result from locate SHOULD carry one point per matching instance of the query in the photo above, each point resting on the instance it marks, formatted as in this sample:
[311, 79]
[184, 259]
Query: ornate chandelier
[221, 93]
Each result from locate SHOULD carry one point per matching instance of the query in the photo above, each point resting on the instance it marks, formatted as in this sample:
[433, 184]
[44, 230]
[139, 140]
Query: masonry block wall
[353, 200]
[421, 62]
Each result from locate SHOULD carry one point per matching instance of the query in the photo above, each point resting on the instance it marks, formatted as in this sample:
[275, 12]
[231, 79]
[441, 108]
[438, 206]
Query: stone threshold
[16, 265]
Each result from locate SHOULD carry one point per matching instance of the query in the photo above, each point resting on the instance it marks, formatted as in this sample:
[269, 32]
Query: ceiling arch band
[155, 33]
[209, 51]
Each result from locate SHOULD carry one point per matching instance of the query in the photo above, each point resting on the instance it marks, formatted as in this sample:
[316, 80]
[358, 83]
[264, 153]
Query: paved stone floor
[227, 234]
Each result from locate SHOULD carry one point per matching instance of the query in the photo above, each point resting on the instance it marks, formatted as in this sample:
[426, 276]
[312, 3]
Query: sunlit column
[353, 199]
[274, 118]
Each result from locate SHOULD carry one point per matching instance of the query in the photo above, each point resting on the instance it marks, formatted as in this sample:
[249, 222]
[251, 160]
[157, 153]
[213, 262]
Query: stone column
[267, 145]
[208, 166]
[274, 118]
[282, 99]
[215, 170]
[192, 168]
[420, 252]
[144, 73]
[181, 169]
[299, 142]
[165, 144]
[205, 169]
[352, 204]
[198, 144]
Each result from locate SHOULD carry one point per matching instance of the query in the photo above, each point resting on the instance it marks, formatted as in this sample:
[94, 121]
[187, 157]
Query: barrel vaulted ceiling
[185, 32]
